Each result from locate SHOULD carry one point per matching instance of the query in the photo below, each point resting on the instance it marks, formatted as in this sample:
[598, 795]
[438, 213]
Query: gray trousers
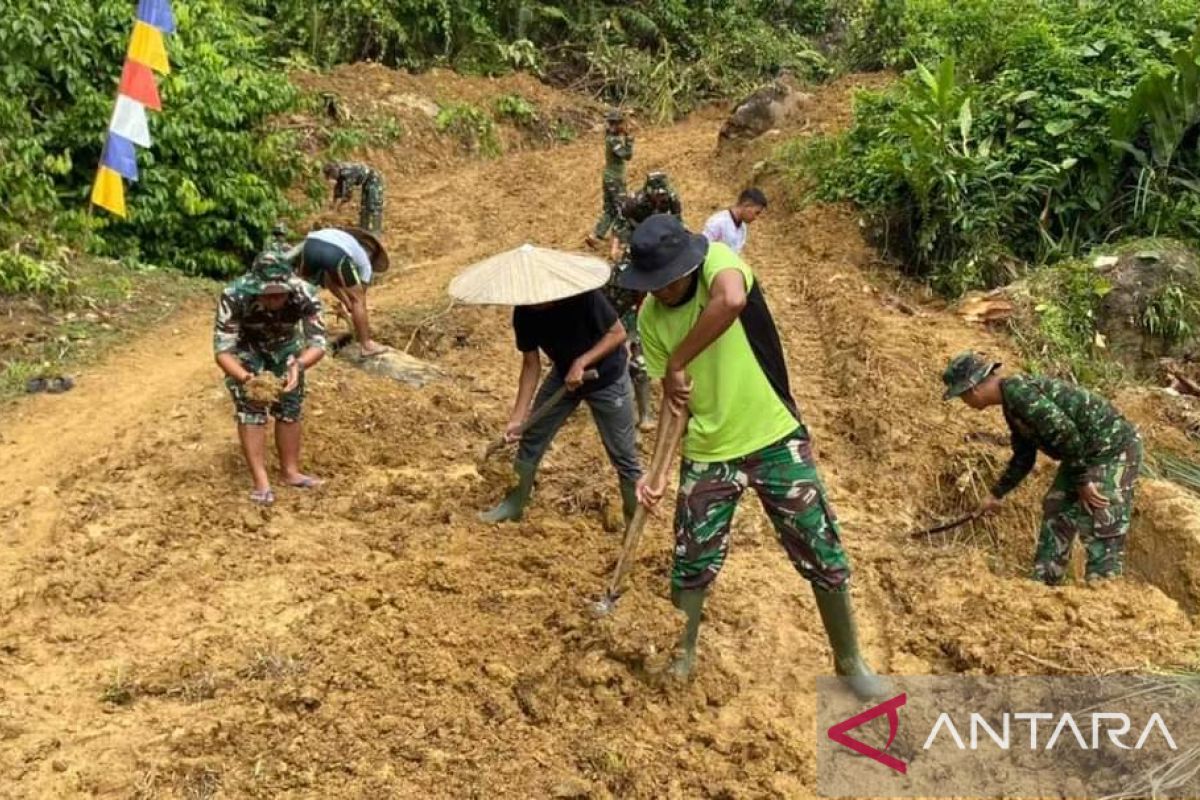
[612, 408]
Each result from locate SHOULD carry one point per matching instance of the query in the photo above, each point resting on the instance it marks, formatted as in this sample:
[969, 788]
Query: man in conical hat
[578, 333]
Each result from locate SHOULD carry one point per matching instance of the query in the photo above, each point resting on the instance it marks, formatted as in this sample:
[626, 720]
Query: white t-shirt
[349, 246]
[721, 228]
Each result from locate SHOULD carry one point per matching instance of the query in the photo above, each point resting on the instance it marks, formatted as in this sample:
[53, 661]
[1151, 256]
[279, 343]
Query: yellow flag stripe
[146, 46]
[108, 191]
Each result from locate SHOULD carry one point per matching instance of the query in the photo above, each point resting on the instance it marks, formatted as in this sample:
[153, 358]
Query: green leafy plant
[1039, 134]
[21, 274]
[517, 109]
[472, 126]
[211, 185]
[1172, 313]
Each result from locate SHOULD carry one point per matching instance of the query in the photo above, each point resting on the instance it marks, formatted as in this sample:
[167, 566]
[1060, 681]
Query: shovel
[538, 413]
[945, 526]
[670, 431]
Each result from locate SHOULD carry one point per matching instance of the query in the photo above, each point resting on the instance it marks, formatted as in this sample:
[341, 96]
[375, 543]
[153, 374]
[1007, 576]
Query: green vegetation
[215, 180]
[472, 126]
[1055, 324]
[517, 109]
[60, 310]
[212, 184]
[1021, 132]
[661, 55]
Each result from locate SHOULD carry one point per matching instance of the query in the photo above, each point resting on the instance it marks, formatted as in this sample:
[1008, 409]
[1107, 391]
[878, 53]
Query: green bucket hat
[965, 372]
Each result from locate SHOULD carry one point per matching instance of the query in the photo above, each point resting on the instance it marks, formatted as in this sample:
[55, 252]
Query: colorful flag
[108, 192]
[129, 126]
[120, 156]
[157, 13]
[146, 46]
[129, 120]
[137, 83]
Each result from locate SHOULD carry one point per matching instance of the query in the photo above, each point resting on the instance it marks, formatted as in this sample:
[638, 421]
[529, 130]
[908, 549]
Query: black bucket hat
[661, 251]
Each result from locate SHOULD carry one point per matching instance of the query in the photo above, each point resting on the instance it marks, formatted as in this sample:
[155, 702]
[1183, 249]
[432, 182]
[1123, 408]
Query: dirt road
[163, 638]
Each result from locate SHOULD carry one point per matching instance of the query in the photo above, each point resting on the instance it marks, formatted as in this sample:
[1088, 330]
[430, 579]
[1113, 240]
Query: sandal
[262, 497]
[306, 482]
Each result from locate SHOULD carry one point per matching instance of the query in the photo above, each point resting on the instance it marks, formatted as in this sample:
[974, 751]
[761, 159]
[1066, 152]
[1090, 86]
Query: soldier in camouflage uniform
[1099, 454]
[269, 320]
[627, 303]
[656, 197]
[709, 335]
[618, 149]
[346, 177]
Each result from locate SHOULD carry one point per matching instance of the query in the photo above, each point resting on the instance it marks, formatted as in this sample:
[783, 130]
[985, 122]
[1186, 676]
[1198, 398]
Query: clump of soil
[264, 389]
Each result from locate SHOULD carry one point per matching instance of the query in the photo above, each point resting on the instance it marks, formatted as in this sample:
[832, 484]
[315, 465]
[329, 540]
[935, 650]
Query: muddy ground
[164, 638]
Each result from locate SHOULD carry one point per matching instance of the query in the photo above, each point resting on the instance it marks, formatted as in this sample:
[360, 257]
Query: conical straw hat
[529, 275]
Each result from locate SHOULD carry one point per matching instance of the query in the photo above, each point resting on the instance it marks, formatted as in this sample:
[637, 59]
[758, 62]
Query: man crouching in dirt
[706, 322]
[1100, 454]
[578, 334]
[256, 332]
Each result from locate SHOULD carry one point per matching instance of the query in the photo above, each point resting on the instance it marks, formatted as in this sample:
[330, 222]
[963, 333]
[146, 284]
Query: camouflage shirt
[348, 176]
[1066, 422]
[639, 207]
[243, 323]
[618, 149]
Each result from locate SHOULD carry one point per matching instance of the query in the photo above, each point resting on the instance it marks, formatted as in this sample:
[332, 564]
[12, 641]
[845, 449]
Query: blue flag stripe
[157, 13]
[120, 156]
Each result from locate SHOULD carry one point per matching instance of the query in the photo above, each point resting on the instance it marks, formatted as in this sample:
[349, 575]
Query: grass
[120, 690]
[99, 303]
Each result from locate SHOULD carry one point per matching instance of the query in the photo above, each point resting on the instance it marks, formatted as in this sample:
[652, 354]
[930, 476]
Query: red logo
[890, 707]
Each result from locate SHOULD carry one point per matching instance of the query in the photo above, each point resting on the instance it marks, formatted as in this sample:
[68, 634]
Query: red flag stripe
[137, 83]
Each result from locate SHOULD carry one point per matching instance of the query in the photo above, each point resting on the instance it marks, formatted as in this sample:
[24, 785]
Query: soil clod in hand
[264, 389]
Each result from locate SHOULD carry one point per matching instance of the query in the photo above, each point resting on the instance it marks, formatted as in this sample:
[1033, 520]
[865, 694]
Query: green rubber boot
[691, 603]
[512, 507]
[837, 614]
[641, 392]
[629, 500]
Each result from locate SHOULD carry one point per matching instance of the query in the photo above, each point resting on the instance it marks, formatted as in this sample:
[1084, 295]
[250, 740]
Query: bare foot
[372, 349]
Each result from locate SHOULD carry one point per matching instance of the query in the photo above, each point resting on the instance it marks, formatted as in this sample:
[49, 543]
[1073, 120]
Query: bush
[517, 109]
[21, 274]
[473, 127]
[210, 186]
[1026, 131]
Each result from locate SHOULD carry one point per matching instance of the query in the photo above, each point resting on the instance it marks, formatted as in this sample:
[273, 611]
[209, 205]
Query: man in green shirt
[708, 334]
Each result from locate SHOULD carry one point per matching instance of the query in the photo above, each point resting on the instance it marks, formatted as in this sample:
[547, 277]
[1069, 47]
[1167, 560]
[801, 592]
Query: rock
[394, 364]
[1137, 280]
[765, 110]
[500, 672]
[572, 788]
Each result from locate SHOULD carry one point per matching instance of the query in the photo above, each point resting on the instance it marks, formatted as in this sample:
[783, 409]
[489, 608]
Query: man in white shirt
[332, 258]
[730, 225]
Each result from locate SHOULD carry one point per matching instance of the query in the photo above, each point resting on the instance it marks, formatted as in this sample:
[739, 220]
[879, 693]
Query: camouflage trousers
[784, 476]
[1102, 533]
[288, 409]
[614, 187]
[370, 214]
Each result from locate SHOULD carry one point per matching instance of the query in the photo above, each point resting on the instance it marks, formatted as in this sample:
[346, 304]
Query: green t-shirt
[735, 411]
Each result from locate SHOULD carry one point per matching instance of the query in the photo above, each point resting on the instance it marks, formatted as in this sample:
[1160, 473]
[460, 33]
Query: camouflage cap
[270, 274]
[657, 182]
[614, 115]
[280, 230]
[965, 372]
